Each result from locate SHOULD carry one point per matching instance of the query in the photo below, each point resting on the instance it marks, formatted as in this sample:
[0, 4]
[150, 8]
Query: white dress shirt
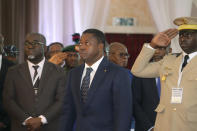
[32, 70]
[94, 67]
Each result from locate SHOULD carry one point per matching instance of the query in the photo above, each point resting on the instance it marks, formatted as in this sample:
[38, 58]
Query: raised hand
[58, 58]
[163, 39]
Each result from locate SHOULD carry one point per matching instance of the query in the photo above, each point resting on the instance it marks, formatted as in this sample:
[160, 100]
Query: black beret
[70, 48]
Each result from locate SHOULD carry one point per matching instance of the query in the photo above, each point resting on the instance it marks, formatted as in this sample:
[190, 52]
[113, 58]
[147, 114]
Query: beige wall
[132, 8]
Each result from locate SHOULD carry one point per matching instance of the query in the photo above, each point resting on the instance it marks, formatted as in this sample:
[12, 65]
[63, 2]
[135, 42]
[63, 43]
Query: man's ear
[45, 49]
[101, 46]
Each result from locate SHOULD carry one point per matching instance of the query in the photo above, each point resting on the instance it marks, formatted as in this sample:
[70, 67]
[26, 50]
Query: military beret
[70, 48]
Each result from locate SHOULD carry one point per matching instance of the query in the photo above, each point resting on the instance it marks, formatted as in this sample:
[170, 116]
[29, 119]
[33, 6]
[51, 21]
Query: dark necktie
[36, 85]
[85, 85]
[185, 61]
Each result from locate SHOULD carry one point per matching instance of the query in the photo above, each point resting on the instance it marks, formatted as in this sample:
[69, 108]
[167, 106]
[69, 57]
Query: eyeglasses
[33, 43]
[123, 55]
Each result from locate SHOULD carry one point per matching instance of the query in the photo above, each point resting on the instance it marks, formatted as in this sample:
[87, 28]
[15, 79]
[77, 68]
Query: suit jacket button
[36, 99]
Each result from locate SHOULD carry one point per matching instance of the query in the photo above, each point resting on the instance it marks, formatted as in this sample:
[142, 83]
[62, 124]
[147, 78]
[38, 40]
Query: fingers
[171, 33]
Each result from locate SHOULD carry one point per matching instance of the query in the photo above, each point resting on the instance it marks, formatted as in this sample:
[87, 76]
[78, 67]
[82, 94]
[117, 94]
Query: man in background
[72, 59]
[4, 65]
[146, 92]
[118, 54]
[54, 48]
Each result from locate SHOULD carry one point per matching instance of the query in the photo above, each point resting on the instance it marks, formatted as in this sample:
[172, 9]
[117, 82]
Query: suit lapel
[154, 85]
[77, 85]
[98, 79]
[25, 73]
[44, 76]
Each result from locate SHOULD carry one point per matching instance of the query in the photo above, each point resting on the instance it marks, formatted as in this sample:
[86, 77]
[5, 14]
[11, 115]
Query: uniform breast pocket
[192, 81]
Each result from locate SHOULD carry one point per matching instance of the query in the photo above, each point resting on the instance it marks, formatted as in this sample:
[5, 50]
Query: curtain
[59, 19]
[56, 20]
[165, 11]
[17, 18]
[90, 14]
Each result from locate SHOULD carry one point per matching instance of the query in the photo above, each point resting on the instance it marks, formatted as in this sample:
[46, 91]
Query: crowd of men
[87, 87]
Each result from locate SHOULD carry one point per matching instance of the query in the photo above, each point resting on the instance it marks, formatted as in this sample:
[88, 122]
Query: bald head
[115, 46]
[35, 37]
[118, 54]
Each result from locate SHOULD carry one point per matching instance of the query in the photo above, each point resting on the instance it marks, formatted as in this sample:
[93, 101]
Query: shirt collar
[40, 64]
[191, 55]
[95, 65]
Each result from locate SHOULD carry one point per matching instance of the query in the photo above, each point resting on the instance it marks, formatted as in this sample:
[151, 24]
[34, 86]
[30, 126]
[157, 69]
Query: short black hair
[99, 35]
[56, 43]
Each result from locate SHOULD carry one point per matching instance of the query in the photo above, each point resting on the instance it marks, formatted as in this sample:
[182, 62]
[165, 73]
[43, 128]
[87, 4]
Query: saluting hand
[163, 39]
[58, 58]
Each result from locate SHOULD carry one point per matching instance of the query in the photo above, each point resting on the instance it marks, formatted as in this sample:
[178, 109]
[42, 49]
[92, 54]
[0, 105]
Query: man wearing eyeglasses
[118, 54]
[34, 90]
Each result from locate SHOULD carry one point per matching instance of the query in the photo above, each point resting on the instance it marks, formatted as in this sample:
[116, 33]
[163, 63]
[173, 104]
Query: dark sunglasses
[123, 54]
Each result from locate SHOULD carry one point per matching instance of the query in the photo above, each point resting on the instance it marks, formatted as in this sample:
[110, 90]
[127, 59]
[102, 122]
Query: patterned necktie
[36, 85]
[85, 85]
[185, 61]
[36, 71]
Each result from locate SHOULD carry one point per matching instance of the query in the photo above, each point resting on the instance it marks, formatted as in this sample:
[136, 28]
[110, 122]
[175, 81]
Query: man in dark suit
[4, 65]
[34, 91]
[146, 92]
[98, 95]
